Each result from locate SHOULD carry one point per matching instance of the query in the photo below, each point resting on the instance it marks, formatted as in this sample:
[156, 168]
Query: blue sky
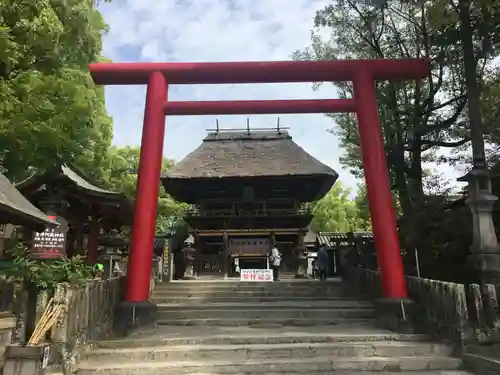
[216, 30]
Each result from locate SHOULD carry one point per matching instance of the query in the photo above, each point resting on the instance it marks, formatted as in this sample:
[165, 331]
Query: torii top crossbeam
[184, 73]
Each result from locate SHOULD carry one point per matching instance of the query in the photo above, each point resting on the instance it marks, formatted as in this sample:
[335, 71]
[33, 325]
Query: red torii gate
[363, 74]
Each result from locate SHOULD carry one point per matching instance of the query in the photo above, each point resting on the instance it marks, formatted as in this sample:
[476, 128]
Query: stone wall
[468, 315]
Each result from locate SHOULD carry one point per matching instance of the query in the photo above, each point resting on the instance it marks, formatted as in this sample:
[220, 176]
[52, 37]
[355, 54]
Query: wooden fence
[468, 315]
[209, 264]
[88, 312]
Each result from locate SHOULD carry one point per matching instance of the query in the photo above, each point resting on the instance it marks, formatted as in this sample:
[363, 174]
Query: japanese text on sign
[49, 244]
[256, 275]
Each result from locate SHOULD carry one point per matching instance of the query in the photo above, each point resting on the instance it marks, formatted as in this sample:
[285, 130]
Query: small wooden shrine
[348, 249]
[86, 210]
[17, 210]
[247, 190]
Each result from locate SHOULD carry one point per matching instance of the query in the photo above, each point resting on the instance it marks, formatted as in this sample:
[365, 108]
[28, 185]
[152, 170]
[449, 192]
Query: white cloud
[215, 30]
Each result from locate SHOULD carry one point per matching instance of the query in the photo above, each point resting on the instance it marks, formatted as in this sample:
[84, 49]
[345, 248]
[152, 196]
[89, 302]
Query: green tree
[336, 212]
[119, 172]
[361, 202]
[474, 23]
[51, 111]
[417, 118]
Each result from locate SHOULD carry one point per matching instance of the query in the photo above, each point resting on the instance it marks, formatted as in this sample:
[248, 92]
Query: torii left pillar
[137, 310]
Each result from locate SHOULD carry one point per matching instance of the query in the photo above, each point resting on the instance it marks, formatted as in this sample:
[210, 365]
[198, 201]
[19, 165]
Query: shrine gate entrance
[362, 73]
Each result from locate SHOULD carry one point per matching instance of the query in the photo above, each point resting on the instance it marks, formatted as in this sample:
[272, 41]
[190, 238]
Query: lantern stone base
[487, 265]
[396, 314]
[130, 316]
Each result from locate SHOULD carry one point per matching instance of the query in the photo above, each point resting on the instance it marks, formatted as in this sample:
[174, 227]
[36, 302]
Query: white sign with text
[256, 275]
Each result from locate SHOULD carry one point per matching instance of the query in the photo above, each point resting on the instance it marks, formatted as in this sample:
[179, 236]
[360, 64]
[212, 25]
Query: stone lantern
[189, 253]
[300, 257]
[485, 250]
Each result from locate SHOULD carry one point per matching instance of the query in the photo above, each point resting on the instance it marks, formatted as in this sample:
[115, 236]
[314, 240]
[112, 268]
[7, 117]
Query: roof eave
[327, 185]
[19, 217]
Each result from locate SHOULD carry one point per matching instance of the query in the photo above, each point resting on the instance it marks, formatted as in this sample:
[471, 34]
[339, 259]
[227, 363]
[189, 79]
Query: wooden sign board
[51, 243]
[252, 246]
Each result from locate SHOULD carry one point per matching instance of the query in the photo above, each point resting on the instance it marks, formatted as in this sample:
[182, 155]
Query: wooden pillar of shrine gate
[393, 309]
[137, 310]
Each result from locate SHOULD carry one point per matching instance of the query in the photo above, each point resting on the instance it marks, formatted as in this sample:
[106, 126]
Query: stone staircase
[287, 327]
[7, 323]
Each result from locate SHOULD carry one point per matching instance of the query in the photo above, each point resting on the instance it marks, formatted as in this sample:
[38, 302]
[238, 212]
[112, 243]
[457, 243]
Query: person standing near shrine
[323, 262]
[275, 260]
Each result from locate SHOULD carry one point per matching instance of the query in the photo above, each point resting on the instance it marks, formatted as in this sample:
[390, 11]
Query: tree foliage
[337, 212]
[418, 119]
[44, 274]
[51, 111]
[118, 171]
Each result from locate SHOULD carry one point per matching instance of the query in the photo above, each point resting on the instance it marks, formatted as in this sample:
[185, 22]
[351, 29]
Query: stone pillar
[190, 254]
[196, 270]
[170, 259]
[225, 255]
[485, 250]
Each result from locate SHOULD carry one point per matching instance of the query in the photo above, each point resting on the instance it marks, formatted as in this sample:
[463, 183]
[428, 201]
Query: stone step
[180, 299]
[451, 372]
[251, 340]
[278, 305]
[288, 365]
[289, 283]
[270, 351]
[241, 286]
[212, 335]
[266, 313]
[201, 293]
[261, 322]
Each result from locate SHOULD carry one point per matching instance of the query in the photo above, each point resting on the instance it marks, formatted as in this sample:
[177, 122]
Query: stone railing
[484, 313]
[87, 316]
[441, 307]
[470, 314]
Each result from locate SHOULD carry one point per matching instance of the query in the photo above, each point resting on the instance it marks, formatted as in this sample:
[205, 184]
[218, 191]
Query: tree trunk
[473, 91]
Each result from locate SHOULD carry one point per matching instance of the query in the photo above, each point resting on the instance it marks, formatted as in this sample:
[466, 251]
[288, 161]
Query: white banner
[256, 275]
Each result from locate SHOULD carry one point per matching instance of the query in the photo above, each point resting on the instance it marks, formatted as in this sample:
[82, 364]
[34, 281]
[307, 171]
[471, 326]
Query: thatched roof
[16, 209]
[243, 154]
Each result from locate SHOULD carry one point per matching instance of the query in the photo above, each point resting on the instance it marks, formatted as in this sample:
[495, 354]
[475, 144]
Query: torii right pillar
[394, 310]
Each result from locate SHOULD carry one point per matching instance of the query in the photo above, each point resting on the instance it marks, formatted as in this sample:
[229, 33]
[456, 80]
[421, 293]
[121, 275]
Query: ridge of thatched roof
[248, 154]
[19, 210]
